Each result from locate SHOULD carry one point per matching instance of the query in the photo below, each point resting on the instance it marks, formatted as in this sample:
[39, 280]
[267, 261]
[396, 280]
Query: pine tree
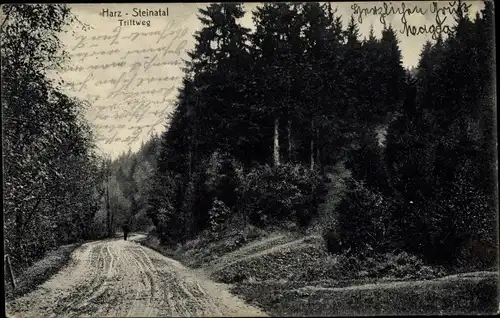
[212, 97]
[321, 37]
[394, 72]
[432, 146]
[218, 64]
[272, 49]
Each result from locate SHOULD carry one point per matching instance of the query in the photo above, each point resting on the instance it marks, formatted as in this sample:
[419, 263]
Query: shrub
[219, 177]
[161, 207]
[288, 192]
[365, 220]
[334, 189]
[219, 214]
[387, 265]
[436, 219]
[333, 242]
[223, 178]
[366, 162]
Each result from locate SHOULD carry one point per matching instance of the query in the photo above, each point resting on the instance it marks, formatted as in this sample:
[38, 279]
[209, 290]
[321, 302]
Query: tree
[213, 93]
[317, 60]
[431, 148]
[277, 46]
[217, 65]
[52, 181]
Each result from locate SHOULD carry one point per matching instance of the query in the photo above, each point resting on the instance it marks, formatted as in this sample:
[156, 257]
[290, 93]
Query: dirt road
[122, 278]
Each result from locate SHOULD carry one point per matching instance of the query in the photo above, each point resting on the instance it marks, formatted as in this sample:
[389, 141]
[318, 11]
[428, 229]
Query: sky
[130, 71]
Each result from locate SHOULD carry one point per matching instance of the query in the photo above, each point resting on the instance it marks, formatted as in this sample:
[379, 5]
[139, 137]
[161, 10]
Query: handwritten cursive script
[129, 75]
[438, 10]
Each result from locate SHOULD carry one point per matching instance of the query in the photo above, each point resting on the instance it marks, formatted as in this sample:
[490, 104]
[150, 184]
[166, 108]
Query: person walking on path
[126, 229]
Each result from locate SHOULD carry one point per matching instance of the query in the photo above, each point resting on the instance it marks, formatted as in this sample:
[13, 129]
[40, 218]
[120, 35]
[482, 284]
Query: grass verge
[464, 295]
[286, 275]
[39, 272]
[206, 248]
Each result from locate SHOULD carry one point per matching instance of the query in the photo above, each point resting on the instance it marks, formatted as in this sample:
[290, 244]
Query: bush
[223, 178]
[162, 202]
[388, 265]
[219, 214]
[288, 192]
[365, 221]
[334, 186]
[438, 218]
[218, 178]
[366, 162]
[333, 242]
[430, 218]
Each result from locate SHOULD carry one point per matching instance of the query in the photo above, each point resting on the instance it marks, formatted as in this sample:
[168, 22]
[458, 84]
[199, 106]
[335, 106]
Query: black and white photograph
[249, 159]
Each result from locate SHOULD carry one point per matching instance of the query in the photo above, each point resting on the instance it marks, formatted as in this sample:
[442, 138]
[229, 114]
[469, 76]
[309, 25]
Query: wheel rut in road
[121, 279]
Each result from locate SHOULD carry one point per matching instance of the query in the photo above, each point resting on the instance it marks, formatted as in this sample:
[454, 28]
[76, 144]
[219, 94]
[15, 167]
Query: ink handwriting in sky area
[129, 66]
[438, 12]
[129, 74]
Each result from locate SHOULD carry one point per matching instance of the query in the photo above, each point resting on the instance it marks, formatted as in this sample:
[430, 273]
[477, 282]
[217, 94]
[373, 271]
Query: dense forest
[262, 123]
[264, 117]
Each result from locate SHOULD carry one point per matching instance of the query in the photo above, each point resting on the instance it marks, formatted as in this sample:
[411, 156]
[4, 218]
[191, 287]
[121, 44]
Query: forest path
[122, 278]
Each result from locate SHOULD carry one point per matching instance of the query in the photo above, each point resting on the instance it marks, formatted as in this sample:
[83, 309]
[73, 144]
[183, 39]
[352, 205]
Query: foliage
[53, 175]
[288, 192]
[386, 265]
[262, 117]
[129, 182]
[218, 214]
[160, 209]
[424, 191]
[365, 219]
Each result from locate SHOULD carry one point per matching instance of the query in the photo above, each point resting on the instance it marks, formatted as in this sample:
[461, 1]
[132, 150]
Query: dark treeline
[53, 178]
[263, 118]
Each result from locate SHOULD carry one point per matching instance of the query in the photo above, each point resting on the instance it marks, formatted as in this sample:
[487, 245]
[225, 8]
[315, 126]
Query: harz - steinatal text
[135, 17]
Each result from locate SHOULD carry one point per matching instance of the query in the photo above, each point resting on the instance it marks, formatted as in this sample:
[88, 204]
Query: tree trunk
[195, 144]
[276, 145]
[112, 224]
[190, 158]
[317, 148]
[289, 138]
[110, 213]
[312, 145]
[108, 209]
